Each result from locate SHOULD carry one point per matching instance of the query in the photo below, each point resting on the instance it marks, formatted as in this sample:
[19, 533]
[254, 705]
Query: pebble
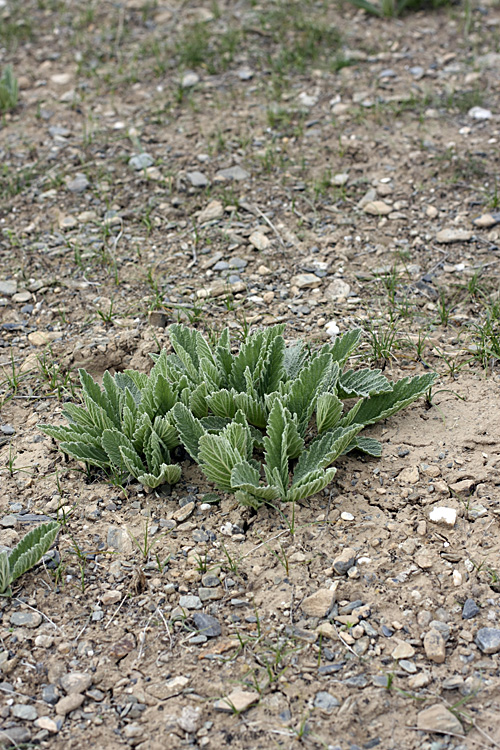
[8, 288]
[443, 516]
[45, 722]
[305, 281]
[210, 581]
[189, 720]
[21, 711]
[470, 609]
[111, 597]
[189, 80]
[207, 625]
[26, 619]
[343, 562]
[212, 211]
[325, 701]
[69, 703]
[14, 736]
[190, 602]
[76, 682]
[408, 666]
[237, 701]
[377, 208]
[78, 184]
[447, 236]
[403, 650]
[488, 640]
[434, 646]
[7, 429]
[437, 718]
[236, 173]
[260, 241]
[141, 161]
[197, 179]
[340, 179]
[118, 538]
[183, 513]
[420, 680]
[318, 604]
[410, 475]
[50, 694]
[479, 113]
[337, 289]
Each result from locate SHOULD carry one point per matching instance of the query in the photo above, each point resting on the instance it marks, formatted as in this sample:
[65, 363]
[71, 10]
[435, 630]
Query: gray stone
[76, 682]
[14, 736]
[8, 288]
[27, 713]
[408, 666]
[325, 701]
[118, 539]
[435, 647]
[189, 79]
[358, 681]
[50, 694]
[69, 703]
[190, 602]
[7, 429]
[437, 718]
[337, 289]
[26, 619]
[470, 609]
[233, 173]
[343, 562]
[441, 627]
[141, 161]
[197, 179]
[207, 625]
[447, 236]
[189, 720]
[488, 640]
[210, 581]
[78, 184]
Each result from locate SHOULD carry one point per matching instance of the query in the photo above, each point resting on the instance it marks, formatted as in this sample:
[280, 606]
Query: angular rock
[337, 289]
[45, 722]
[485, 221]
[443, 516]
[403, 650]
[343, 562]
[183, 513]
[435, 647]
[76, 682]
[190, 602]
[189, 720]
[319, 603]
[189, 80]
[69, 703]
[470, 609]
[14, 736]
[78, 184]
[212, 211]
[207, 625]
[233, 173]
[169, 688]
[197, 179]
[437, 718]
[447, 236]
[237, 701]
[325, 701]
[410, 475]
[260, 241]
[26, 619]
[8, 288]
[488, 640]
[305, 281]
[119, 539]
[24, 712]
[141, 161]
[377, 208]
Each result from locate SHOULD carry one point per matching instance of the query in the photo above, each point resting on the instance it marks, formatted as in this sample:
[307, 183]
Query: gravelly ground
[362, 190]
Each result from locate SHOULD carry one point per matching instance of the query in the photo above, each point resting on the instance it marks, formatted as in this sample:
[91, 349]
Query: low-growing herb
[27, 553]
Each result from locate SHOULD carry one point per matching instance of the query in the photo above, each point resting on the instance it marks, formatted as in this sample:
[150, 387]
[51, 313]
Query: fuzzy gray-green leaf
[217, 458]
[328, 411]
[89, 454]
[310, 484]
[32, 548]
[5, 579]
[189, 428]
[364, 382]
[324, 450]
[403, 393]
